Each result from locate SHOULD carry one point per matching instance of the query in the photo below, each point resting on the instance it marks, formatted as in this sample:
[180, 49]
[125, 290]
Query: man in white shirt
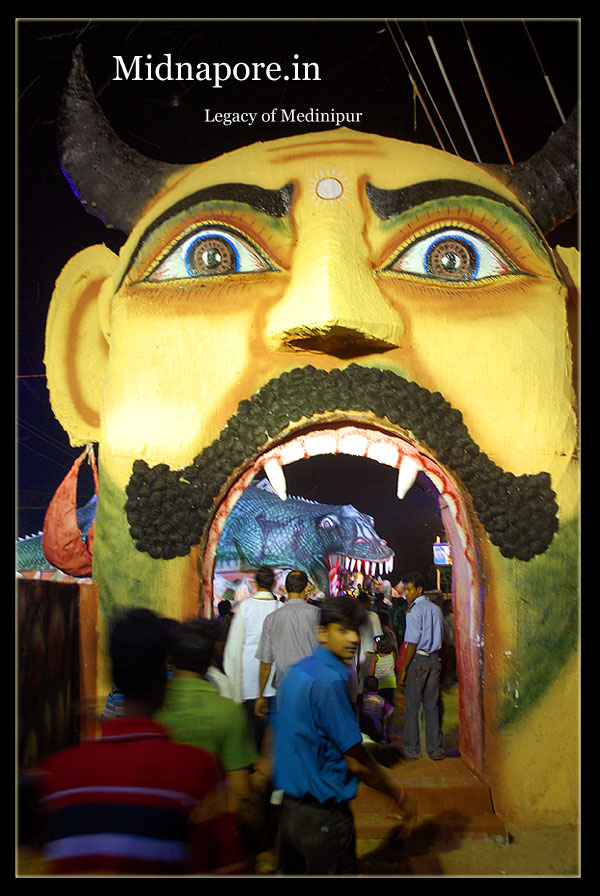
[240, 662]
[420, 671]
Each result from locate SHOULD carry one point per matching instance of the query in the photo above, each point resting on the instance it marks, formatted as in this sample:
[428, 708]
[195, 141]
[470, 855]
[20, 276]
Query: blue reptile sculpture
[263, 529]
[300, 534]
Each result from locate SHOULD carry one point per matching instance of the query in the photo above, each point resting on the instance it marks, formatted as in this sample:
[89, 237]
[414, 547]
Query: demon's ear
[77, 331]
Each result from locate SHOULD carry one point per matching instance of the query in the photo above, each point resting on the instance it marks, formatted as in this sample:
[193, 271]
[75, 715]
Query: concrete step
[447, 802]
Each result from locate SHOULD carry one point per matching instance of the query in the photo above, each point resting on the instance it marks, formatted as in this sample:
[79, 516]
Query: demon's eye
[211, 252]
[329, 522]
[452, 255]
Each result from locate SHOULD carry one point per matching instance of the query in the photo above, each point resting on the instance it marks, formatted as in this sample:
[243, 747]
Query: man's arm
[261, 703]
[362, 764]
[408, 656]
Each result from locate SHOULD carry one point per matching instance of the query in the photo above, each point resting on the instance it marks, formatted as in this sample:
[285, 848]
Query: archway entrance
[342, 463]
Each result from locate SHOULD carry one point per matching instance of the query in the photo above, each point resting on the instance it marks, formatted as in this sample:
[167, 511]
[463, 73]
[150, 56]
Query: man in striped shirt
[287, 636]
[135, 802]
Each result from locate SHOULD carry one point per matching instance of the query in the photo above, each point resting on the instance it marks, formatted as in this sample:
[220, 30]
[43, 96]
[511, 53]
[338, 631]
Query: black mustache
[168, 509]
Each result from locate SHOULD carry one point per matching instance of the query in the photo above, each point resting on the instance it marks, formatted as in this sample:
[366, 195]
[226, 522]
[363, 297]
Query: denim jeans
[315, 839]
[422, 686]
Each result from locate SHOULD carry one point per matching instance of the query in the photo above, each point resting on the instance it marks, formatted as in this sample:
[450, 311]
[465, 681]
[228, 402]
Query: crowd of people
[235, 745]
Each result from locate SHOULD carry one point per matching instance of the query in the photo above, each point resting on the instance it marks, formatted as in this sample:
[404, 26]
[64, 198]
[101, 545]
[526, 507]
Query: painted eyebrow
[389, 203]
[275, 203]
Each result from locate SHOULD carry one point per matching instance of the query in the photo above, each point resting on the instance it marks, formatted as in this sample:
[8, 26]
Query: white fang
[276, 477]
[407, 473]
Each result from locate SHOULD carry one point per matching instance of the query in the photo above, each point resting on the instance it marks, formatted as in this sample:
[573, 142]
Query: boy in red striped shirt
[134, 801]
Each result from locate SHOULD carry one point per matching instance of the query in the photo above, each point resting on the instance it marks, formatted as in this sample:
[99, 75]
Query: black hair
[371, 684]
[384, 644]
[415, 578]
[224, 607]
[296, 581]
[265, 578]
[139, 646]
[345, 610]
[194, 646]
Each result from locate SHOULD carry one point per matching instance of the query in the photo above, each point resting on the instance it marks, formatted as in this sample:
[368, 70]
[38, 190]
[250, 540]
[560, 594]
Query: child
[383, 667]
[375, 712]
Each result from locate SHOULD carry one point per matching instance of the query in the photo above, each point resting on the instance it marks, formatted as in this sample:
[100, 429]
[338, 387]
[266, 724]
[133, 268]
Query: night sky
[363, 67]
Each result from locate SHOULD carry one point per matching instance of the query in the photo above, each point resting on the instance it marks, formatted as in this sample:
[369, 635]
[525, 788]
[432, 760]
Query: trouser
[256, 726]
[422, 687]
[315, 838]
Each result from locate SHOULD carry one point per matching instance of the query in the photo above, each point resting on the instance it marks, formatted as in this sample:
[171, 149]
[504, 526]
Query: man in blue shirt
[420, 671]
[319, 756]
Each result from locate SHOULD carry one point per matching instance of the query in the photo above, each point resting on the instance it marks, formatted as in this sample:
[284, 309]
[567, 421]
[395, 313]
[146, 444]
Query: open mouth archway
[411, 463]
[362, 411]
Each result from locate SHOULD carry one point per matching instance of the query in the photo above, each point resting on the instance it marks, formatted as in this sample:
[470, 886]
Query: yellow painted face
[334, 251]
[361, 247]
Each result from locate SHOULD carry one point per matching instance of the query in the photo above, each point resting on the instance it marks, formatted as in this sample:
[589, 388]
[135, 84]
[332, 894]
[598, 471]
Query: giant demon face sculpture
[328, 292]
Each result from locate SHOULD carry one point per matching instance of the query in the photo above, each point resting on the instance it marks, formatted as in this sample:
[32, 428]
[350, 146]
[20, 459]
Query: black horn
[548, 182]
[113, 181]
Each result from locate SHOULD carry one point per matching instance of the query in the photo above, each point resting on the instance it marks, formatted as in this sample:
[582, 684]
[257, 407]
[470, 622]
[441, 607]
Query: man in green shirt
[194, 712]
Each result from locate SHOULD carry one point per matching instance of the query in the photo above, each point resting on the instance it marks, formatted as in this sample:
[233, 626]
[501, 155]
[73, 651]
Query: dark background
[363, 67]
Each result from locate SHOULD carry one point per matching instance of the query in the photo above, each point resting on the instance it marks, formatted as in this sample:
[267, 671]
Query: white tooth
[462, 536]
[452, 505]
[436, 480]
[407, 473]
[381, 569]
[383, 453]
[359, 565]
[320, 444]
[276, 477]
[292, 451]
[353, 444]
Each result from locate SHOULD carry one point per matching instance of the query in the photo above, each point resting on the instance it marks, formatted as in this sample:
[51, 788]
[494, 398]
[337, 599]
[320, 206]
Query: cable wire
[489, 98]
[546, 78]
[414, 85]
[433, 103]
[454, 100]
